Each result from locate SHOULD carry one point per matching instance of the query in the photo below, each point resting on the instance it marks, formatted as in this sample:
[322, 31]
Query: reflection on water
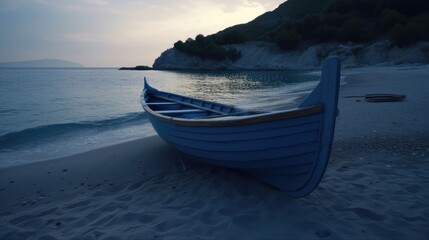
[248, 89]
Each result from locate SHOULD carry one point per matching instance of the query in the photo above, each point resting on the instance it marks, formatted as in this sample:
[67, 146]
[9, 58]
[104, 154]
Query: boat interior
[177, 106]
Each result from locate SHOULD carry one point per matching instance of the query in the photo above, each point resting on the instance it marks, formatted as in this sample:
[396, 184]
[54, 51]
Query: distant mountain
[43, 63]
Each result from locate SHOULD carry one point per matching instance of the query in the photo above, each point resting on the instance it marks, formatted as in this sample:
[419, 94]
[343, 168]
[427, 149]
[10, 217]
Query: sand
[376, 185]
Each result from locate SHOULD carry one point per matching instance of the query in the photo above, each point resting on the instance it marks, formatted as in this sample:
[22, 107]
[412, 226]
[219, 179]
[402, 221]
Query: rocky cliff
[267, 56]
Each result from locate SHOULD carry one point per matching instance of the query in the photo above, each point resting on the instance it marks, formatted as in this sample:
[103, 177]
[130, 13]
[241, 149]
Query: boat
[286, 149]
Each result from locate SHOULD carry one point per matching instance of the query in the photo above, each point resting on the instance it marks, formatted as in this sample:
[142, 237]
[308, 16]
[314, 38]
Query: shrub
[233, 54]
[213, 51]
[408, 7]
[403, 35]
[288, 39]
[306, 27]
[361, 8]
[357, 30]
[323, 53]
[232, 37]
[206, 48]
[326, 33]
[391, 17]
[200, 39]
[334, 19]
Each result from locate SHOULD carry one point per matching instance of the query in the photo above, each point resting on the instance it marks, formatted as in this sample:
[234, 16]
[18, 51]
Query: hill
[402, 21]
[43, 63]
[298, 24]
[290, 11]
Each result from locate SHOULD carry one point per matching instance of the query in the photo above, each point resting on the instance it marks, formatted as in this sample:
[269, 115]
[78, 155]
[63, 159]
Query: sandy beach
[376, 185]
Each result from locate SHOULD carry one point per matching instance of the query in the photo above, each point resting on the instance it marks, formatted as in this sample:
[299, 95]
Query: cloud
[96, 2]
[235, 5]
[83, 37]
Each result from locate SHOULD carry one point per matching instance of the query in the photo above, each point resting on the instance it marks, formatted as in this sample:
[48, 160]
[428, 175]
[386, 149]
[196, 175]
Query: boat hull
[281, 153]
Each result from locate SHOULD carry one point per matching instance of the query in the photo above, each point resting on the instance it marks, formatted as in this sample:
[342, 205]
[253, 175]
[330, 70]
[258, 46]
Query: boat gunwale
[223, 120]
[158, 93]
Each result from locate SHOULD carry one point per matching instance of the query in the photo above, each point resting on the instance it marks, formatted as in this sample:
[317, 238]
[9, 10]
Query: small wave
[8, 111]
[49, 132]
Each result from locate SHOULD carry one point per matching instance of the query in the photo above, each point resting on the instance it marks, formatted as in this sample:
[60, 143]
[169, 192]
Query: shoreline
[376, 185]
[265, 55]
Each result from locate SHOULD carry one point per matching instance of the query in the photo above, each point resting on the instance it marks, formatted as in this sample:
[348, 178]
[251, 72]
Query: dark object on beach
[140, 67]
[287, 149]
[384, 97]
[381, 97]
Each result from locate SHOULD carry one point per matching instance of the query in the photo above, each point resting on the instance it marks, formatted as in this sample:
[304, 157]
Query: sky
[113, 33]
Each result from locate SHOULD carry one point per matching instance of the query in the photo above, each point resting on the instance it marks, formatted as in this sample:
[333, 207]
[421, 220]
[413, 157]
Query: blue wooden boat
[287, 149]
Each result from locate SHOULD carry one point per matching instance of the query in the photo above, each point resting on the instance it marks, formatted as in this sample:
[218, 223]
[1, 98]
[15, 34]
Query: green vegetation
[403, 21]
[298, 23]
[210, 47]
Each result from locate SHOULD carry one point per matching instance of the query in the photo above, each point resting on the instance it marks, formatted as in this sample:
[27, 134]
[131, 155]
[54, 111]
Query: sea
[48, 113]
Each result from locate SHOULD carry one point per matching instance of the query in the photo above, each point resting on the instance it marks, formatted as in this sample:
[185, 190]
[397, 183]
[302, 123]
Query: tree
[357, 30]
[232, 37]
[288, 39]
[403, 35]
[391, 17]
[326, 32]
[206, 48]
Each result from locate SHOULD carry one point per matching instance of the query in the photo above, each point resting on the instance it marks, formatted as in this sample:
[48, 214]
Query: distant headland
[42, 63]
[140, 67]
[299, 34]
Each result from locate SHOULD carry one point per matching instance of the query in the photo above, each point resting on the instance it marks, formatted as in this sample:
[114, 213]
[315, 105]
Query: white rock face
[267, 56]
[376, 53]
[310, 57]
[419, 53]
[173, 59]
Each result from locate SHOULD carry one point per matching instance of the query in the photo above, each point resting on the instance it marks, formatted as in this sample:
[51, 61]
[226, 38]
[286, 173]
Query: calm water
[49, 113]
